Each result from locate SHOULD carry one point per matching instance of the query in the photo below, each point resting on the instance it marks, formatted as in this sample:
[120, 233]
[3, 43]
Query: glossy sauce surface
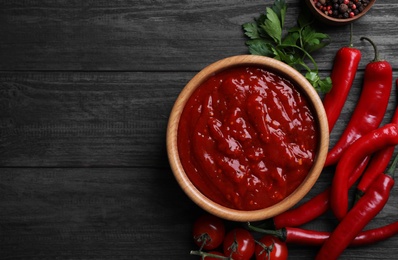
[247, 138]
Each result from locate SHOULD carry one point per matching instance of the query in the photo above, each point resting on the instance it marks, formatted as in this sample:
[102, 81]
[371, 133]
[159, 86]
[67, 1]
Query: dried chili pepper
[346, 63]
[359, 216]
[368, 144]
[377, 164]
[371, 107]
[299, 236]
[314, 207]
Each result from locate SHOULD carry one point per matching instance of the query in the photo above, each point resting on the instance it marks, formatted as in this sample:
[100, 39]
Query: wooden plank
[134, 213]
[160, 35]
[86, 119]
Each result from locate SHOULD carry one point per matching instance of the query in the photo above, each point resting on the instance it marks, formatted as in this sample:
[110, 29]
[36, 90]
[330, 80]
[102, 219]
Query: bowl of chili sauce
[339, 12]
[247, 138]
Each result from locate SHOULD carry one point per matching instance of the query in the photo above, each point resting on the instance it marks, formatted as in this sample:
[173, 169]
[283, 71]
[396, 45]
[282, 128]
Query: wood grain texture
[155, 35]
[86, 88]
[86, 119]
[92, 214]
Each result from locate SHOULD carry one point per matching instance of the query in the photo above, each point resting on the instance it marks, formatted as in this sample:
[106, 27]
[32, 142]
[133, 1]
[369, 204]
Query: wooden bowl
[280, 69]
[322, 17]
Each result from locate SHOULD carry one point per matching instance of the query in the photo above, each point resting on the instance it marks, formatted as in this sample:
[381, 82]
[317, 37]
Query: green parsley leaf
[294, 47]
[325, 85]
[322, 85]
[251, 30]
[313, 40]
[279, 7]
[291, 38]
[272, 26]
[260, 47]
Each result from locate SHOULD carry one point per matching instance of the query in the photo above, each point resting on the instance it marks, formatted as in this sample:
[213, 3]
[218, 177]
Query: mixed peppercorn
[341, 9]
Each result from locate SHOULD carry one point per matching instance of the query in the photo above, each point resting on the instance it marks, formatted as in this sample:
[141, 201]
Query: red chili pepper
[368, 144]
[314, 207]
[304, 213]
[378, 162]
[293, 235]
[375, 235]
[299, 236]
[370, 109]
[359, 216]
[343, 74]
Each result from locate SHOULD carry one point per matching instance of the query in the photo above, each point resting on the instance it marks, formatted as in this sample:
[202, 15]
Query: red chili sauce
[247, 138]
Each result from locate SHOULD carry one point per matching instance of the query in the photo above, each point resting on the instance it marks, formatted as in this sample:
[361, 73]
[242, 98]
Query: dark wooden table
[86, 88]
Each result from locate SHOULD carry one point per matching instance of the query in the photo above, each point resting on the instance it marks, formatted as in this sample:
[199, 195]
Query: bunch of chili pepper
[378, 162]
[371, 203]
[362, 153]
[377, 81]
[370, 109]
[365, 146]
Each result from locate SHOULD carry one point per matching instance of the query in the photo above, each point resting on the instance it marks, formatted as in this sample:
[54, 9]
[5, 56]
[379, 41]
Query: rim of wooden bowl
[335, 21]
[183, 180]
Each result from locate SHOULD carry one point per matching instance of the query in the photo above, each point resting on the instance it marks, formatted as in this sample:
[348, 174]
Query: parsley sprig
[267, 37]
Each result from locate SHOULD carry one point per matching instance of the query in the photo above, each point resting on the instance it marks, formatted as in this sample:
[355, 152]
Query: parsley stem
[306, 54]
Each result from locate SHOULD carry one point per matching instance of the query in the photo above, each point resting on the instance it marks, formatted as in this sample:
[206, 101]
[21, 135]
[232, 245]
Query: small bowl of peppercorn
[339, 12]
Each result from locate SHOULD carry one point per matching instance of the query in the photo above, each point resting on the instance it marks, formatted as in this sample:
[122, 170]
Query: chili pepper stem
[376, 58]
[277, 233]
[266, 224]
